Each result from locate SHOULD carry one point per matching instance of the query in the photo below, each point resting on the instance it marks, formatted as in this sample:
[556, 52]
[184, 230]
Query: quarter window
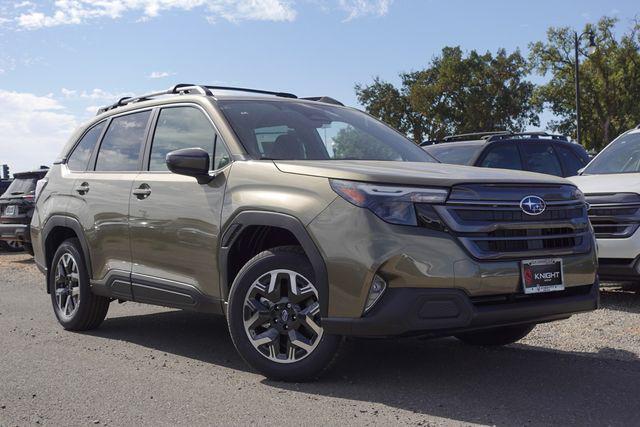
[503, 156]
[540, 157]
[177, 128]
[122, 144]
[570, 162]
[79, 159]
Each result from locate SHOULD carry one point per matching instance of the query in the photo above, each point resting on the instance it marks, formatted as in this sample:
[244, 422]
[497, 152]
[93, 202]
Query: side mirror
[191, 162]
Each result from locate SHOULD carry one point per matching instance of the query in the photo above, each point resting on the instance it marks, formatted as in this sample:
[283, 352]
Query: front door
[174, 221]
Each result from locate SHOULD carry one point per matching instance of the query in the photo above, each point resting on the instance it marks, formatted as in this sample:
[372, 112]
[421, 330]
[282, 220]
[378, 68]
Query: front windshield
[293, 130]
[621, 156]
[452, 153]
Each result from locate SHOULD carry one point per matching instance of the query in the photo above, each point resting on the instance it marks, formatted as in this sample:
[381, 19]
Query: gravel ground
[148, 365]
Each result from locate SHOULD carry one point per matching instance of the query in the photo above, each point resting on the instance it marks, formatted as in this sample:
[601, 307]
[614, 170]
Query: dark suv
[16, 210]
[529, 151]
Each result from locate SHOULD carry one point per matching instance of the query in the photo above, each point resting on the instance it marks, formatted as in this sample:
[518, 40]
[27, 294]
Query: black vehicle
[16, 210]
[529, 151]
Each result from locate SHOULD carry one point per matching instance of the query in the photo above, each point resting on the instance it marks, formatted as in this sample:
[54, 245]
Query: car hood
[412, 173]
[608, 183]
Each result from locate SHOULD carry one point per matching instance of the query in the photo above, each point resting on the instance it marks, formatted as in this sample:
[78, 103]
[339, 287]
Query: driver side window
[185, 127]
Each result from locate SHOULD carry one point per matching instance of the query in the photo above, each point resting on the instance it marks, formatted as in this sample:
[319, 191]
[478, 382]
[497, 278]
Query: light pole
[590, 50]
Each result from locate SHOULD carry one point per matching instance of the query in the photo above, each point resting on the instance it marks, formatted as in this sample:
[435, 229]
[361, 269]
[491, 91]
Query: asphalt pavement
[149, 365]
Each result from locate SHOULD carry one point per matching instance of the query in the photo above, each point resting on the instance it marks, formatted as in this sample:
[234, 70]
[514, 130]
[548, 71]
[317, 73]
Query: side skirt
[118, 284]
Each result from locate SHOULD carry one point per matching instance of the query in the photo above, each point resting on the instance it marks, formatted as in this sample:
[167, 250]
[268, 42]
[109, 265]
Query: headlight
[393, 204]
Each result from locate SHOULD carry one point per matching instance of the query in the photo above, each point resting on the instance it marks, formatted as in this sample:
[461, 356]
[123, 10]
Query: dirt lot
[149, 365]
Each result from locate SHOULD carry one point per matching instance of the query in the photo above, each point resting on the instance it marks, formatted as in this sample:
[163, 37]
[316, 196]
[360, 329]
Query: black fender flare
[72, 224]
[274, 219]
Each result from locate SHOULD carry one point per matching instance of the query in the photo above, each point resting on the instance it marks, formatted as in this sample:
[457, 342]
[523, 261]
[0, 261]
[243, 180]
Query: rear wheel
[274, 317]
[75, 306]
[496, 336]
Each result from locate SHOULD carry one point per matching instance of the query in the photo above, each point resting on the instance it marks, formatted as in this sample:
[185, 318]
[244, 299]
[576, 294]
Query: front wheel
[274, 317]
[496, 336]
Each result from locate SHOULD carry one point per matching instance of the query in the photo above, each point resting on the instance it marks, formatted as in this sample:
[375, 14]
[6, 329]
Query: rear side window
[122, 144]
[79, 159]
[180, 127]
[540, 157]
[502, 156]
[452, 153]
[570, 161]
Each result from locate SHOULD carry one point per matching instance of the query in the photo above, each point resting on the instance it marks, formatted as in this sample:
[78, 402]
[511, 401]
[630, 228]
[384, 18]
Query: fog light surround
[378, 286]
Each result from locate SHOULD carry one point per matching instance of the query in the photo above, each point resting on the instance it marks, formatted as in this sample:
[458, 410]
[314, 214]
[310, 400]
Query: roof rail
[469, 136]
[188, 88]
[182, 88]
[325, 99]
[508, 135]
[244, 89]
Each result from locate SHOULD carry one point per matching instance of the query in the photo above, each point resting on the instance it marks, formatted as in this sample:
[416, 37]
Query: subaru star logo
[532, 205]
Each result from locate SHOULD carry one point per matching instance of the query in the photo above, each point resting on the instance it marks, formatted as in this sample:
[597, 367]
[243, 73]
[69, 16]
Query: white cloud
[359, 8]
[92, 109]
[34, 129]
[53, 13]
[159, 74]
[68, 93]
[94, 94]
[66, 12]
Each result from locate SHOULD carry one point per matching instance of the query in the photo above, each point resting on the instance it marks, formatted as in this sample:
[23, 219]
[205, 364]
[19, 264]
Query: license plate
[11, 210]
[542, 275]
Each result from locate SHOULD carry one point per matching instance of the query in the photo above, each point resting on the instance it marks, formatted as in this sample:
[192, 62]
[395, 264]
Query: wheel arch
[58, 229]
[243, 221]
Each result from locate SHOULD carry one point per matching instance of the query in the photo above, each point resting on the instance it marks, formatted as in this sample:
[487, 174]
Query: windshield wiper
[17, 193]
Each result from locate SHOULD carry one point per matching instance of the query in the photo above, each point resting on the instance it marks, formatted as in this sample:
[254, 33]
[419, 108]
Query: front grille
[614, 216]
[497, 228]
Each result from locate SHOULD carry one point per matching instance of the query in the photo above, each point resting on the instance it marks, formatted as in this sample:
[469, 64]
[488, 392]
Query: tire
[12, 246]
[283, 347]
[496, 336]
[68, 279]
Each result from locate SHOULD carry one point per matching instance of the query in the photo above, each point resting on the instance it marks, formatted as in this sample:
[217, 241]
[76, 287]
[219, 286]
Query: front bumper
[619, 269]
[443, 312]
[15, 232]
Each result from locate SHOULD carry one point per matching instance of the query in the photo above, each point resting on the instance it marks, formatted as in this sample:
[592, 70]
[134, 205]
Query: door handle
[83, 188]
[142, 192]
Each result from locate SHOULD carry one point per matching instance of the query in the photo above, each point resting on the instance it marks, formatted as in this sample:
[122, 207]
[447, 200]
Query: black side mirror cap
[193, 162]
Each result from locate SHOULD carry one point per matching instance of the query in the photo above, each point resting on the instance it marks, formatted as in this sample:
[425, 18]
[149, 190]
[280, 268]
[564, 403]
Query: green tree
[456, 94]
[609, 81]
[350, 143]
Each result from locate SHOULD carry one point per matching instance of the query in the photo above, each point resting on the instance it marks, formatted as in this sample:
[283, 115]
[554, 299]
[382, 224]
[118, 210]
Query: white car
[611, 183]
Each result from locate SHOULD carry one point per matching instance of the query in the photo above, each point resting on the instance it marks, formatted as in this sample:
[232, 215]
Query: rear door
[175, 222]
[101, 198]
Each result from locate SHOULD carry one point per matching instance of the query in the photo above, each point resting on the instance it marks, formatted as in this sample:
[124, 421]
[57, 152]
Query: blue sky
[61, 59]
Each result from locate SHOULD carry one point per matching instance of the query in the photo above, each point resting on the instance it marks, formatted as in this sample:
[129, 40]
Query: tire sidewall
[307, 368]
[71, 246]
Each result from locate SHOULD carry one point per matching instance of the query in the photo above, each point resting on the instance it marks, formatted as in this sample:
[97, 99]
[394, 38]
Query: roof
[27, 174]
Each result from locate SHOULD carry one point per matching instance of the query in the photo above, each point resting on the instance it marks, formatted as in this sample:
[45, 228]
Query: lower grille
[516, 298]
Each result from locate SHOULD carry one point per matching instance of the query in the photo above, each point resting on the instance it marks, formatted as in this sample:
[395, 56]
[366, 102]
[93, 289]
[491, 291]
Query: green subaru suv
[302, 221]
